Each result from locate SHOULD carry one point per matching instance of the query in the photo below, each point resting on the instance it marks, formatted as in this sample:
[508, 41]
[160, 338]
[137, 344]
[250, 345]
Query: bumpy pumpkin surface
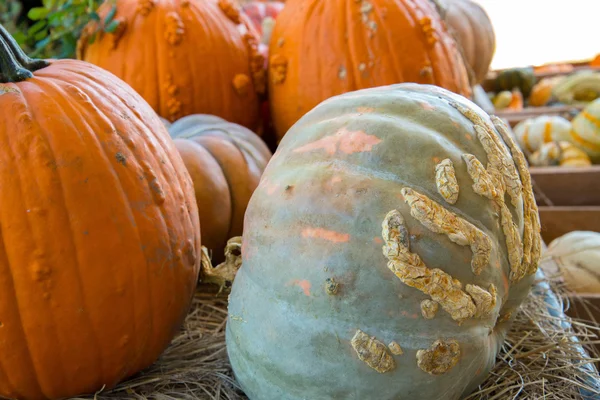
[100, 243]
[393, 235]
[184, 57]
[324, 48]
[225, 161]
[474, 33]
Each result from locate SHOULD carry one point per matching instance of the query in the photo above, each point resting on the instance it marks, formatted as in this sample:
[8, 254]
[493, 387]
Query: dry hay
[540, 358]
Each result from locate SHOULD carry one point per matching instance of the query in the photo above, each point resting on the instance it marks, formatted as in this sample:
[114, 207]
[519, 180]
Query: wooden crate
[514, 117]
[558, 221]
[568, 199]
[558, 186]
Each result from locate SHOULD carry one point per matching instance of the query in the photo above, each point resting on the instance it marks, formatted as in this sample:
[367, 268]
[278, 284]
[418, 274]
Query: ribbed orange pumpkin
[226, 162]
[324, 48]
[474, 33]
[100, 243]
[184, 57]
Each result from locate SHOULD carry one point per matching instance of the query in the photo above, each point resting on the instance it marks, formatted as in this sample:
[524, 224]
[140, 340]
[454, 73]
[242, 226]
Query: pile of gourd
[556, 141]
[387, 244]
[517, 88]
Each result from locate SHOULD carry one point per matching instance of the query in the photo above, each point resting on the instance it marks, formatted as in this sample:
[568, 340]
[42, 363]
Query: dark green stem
[15, 65]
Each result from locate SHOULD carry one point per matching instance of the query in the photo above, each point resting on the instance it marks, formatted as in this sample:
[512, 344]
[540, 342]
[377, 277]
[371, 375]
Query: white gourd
[577, 255]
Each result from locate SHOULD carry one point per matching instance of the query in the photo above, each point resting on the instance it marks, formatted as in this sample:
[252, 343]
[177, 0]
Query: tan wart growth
[395, 349]
[374, 353]
[503, 176]
[485, 184]
[439, 358]
[411, 270]
[429, 308]
[439, 220]
[445, 179]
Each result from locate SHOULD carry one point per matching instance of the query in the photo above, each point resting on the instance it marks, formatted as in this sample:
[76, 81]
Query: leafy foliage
[9, 13]
[56, 26]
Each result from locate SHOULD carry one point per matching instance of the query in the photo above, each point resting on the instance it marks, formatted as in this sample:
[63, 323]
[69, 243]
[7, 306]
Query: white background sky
[540, 31]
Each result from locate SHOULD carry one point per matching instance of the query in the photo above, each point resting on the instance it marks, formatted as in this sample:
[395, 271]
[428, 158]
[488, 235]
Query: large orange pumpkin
[184, 57]
[474, 33]
[225, 161]
[100, 243]
[320, 49]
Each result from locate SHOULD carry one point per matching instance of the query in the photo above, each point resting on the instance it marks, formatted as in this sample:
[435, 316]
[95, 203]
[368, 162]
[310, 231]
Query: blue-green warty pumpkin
[385, 252]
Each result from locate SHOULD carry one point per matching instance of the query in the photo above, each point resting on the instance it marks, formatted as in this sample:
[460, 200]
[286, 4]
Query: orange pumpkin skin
[100, 246]
[541, 93]
[184, 57]
[516, 103]
[320, 49]
[225, 162]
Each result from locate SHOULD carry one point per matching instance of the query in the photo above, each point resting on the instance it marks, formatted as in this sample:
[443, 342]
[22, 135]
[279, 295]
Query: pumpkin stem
[15, 65]
[226, 271]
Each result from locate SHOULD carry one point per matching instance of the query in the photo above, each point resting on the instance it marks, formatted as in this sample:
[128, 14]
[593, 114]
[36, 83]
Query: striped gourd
[586, 130]
[534, 132]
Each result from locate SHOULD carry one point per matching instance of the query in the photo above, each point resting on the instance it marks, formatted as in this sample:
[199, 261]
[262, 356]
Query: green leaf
[55, 19]
[40, 35]
[38, 13]
[20, 37]
[48, 3]
[94, 16]
[35, 28]
[69, 44]
[67, 4]
[112, 27]
[110, 16]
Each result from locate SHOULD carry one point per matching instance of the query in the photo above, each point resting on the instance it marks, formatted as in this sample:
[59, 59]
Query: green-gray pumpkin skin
[287, 338]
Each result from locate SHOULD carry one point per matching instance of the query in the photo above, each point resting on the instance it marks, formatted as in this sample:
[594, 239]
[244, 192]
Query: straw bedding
[540, 358]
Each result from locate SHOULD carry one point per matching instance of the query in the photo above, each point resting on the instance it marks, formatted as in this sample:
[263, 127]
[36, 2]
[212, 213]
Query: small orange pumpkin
[184, 57]
[541, 93]
[100, 243]
[516, 102]
[317, 52]
[225, 161]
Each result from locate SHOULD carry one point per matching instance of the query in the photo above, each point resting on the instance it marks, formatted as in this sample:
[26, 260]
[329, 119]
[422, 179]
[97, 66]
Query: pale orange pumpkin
[317, 51]
[225, 161]
[184, 57]
[473, 30]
